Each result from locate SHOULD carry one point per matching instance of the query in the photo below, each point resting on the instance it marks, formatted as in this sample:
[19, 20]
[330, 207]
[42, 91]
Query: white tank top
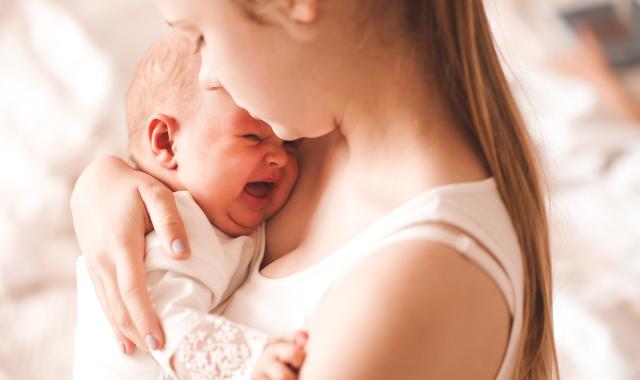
[278, 306]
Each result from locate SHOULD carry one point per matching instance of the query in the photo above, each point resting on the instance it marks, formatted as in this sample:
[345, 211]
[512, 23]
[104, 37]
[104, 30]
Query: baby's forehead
[218, 111]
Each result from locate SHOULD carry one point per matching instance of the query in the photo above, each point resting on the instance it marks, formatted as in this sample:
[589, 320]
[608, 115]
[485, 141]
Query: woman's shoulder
[430, 292]
[426, 306]
[473, 208]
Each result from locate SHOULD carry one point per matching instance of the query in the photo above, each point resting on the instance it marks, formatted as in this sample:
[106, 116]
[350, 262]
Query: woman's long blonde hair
[459, 50]
[456, 45]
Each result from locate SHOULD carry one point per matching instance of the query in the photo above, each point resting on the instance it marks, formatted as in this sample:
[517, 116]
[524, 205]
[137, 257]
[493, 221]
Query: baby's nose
[277, 155]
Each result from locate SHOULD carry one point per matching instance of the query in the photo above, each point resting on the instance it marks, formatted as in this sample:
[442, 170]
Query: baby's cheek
[292, 172]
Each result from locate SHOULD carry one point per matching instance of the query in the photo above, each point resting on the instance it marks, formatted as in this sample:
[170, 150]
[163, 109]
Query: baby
[229, 173]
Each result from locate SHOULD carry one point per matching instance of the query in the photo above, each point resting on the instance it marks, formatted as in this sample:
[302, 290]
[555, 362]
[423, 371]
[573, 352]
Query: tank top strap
[463, 244]
[460, 242]
[469, 248]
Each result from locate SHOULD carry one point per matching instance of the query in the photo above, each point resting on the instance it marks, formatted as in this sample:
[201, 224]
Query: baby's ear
[161, 131]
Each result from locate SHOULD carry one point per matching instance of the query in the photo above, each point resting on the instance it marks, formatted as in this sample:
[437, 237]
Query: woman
[418, 218]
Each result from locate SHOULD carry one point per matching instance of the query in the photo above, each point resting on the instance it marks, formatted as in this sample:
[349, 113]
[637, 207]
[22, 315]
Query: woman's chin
[284, 133]
[289, 134]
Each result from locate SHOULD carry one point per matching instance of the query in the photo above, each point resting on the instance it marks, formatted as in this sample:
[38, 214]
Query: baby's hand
[282, 358]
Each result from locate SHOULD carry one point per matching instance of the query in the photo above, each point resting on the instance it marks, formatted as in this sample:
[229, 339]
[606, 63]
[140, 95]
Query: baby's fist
[282, 359]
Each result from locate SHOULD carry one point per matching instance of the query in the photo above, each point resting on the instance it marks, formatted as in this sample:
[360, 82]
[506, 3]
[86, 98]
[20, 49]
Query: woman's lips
[260, 190]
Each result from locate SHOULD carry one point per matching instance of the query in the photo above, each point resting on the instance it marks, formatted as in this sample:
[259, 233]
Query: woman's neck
[401, 139]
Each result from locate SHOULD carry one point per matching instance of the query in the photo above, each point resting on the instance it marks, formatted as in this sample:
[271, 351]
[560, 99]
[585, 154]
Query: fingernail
[123, 348]
[178, 247]
[152, 342]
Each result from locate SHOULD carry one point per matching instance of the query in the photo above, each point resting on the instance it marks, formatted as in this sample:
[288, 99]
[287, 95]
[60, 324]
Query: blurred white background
[64, 67]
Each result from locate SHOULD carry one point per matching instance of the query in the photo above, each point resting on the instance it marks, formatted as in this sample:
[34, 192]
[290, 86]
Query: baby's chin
[240, 223]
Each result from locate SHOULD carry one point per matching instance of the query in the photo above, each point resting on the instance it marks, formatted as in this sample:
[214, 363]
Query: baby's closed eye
[252, 137]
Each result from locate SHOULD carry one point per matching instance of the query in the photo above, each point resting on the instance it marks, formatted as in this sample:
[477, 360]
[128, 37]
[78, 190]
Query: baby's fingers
[300, 338]
[288, 353]
[279, 371]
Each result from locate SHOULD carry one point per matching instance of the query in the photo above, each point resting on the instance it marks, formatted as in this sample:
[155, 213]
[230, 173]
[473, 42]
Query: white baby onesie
[183, 292]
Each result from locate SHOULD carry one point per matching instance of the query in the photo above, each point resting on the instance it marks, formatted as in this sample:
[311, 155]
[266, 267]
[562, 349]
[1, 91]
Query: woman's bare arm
[417, 310]
[113, 206]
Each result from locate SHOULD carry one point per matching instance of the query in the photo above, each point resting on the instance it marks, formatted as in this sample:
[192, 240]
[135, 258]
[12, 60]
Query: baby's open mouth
[259, 190]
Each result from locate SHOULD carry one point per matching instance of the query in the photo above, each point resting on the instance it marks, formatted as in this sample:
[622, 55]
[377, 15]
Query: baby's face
[236, 169]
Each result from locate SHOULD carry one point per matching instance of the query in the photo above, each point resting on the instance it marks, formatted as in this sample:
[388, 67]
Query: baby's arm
[208, 346]
[182, 298]
[220, 349]
[184, 292]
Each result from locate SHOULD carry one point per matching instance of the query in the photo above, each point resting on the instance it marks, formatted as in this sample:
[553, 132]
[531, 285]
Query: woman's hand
[113, 206]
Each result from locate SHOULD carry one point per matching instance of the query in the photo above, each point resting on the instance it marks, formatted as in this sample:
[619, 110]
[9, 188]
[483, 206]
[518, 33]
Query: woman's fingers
[124, 344]
[119, 314]
[165, 218]
[140, 316]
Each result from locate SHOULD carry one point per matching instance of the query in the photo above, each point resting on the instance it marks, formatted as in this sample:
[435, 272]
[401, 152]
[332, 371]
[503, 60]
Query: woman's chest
[312, 237]
[286, 292]
[325, 211]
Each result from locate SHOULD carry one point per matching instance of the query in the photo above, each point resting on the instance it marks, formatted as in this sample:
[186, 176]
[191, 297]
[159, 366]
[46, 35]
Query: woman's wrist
[112, 172]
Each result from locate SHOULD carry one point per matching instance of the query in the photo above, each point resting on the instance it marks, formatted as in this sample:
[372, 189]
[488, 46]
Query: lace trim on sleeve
[219, 349]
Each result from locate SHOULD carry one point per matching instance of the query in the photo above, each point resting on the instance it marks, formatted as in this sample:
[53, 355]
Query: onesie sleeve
[180, 302]
[184, 292]
[207, 345]
[219, 349]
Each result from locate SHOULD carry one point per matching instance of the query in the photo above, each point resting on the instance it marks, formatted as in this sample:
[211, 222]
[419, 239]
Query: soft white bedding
[63, 67]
